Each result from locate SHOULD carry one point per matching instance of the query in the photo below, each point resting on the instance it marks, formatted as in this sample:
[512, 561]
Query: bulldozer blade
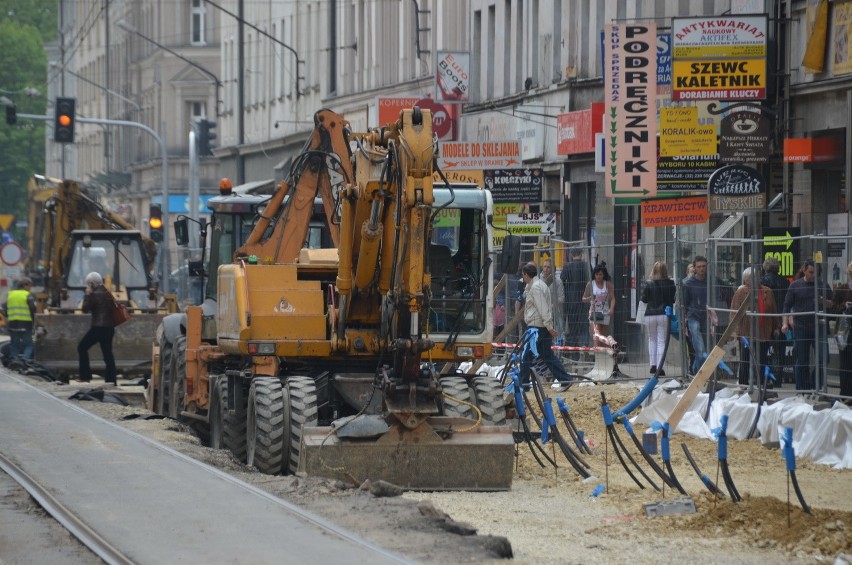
[421, 459]
[56, 346]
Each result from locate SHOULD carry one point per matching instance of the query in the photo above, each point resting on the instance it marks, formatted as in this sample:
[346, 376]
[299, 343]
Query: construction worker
[19, 310]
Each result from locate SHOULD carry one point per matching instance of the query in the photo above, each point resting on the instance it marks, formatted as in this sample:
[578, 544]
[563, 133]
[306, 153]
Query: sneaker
[662, 373]
[653, 369]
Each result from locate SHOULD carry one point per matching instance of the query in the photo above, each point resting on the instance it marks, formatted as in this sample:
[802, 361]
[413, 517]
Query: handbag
[640, 312]
[120, 314]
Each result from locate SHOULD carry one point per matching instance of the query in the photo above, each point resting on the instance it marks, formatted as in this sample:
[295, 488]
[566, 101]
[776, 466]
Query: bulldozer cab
[118, 256]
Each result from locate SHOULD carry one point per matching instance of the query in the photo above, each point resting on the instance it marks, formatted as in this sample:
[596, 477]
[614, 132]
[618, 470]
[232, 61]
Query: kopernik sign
[630, 115]
[736, 188]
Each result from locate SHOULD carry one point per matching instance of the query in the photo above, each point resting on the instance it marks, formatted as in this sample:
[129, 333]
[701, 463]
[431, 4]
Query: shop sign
[514, 185]
[685, 174]
[675, 211]
[682, 136]
[781, 243]
[744, 138]
[479, 154]
[719, 58]
[453, 76]
[630, 114]
[575, 131]
[736, 188]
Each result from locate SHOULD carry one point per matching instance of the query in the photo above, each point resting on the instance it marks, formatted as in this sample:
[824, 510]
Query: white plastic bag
[640, 312]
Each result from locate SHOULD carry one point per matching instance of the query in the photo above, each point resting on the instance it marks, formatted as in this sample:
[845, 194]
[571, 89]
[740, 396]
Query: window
[197, 19]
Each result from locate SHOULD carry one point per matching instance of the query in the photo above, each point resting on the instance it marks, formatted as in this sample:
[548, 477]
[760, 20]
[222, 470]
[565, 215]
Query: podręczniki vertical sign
[630, 116]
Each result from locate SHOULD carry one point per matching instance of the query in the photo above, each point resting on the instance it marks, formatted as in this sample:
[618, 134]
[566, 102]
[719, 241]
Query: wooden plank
[713, 358]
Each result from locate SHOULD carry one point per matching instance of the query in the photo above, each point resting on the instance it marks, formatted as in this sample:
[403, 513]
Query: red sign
[442, 120]
[443, 117]
[575, 131]
[389, 108]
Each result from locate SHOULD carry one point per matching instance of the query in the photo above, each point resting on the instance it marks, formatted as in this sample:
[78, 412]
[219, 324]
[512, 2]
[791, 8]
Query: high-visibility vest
[17, 308]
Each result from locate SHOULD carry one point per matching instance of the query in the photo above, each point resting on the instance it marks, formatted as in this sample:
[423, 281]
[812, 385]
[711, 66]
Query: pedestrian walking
[557, 295]
[19, 311]
[694, 306]
[100, 303]
[843, 304]
[538, 316]
[659, 293]
[768, 325]
[600, 294]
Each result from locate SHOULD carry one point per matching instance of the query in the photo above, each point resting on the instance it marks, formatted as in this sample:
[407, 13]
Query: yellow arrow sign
[779, 240]
[6, 221]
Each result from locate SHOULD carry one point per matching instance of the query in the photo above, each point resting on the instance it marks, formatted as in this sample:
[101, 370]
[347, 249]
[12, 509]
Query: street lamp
[130, 29]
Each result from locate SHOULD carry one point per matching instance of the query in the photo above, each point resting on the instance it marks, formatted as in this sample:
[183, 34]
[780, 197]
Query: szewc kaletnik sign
[736, 188]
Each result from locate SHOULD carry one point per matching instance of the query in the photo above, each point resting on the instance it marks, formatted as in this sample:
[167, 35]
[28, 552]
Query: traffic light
[206, 135]
[11, 115]
[155, 222]
[63, 122]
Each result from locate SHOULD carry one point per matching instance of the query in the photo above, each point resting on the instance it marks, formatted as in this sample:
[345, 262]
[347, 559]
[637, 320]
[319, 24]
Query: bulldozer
[343, 361]
[69, 235]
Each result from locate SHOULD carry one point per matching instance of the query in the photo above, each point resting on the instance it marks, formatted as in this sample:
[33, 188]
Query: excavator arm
[323, 164]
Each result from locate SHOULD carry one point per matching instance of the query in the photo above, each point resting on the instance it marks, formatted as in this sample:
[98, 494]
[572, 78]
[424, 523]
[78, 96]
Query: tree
[24, 27]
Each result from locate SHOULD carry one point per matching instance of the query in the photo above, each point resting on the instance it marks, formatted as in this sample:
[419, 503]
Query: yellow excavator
[342, 361]
[69, 235]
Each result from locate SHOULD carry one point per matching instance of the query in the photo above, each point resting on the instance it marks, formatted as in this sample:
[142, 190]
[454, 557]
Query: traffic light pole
[164, 246]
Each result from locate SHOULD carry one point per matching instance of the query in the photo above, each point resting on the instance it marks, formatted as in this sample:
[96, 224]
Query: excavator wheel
[302, 410]
[218, 407]
[265, 433]
[489, 400]
[162, 394]
[226, 430]
[457, 388]
[177, 378]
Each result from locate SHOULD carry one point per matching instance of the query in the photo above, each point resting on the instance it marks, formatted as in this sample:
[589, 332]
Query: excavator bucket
[442, 453]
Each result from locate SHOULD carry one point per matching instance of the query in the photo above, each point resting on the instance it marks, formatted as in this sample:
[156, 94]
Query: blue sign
[179, 203]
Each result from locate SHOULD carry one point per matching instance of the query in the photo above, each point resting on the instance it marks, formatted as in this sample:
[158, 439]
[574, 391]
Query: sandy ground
[549, 515]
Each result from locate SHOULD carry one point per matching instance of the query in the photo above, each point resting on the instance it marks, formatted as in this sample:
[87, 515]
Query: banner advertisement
[630, 115]
[842, 37]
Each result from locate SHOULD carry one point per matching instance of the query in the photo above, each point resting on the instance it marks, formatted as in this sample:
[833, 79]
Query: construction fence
[628, 266]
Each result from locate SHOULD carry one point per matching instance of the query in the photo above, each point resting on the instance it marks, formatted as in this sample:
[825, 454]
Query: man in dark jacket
[575, 275]
[101, 304]
[802, 297]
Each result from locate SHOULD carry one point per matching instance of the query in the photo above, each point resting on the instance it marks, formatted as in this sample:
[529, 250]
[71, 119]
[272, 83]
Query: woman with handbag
[658, 293]
[600, 295]
[100, 303]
